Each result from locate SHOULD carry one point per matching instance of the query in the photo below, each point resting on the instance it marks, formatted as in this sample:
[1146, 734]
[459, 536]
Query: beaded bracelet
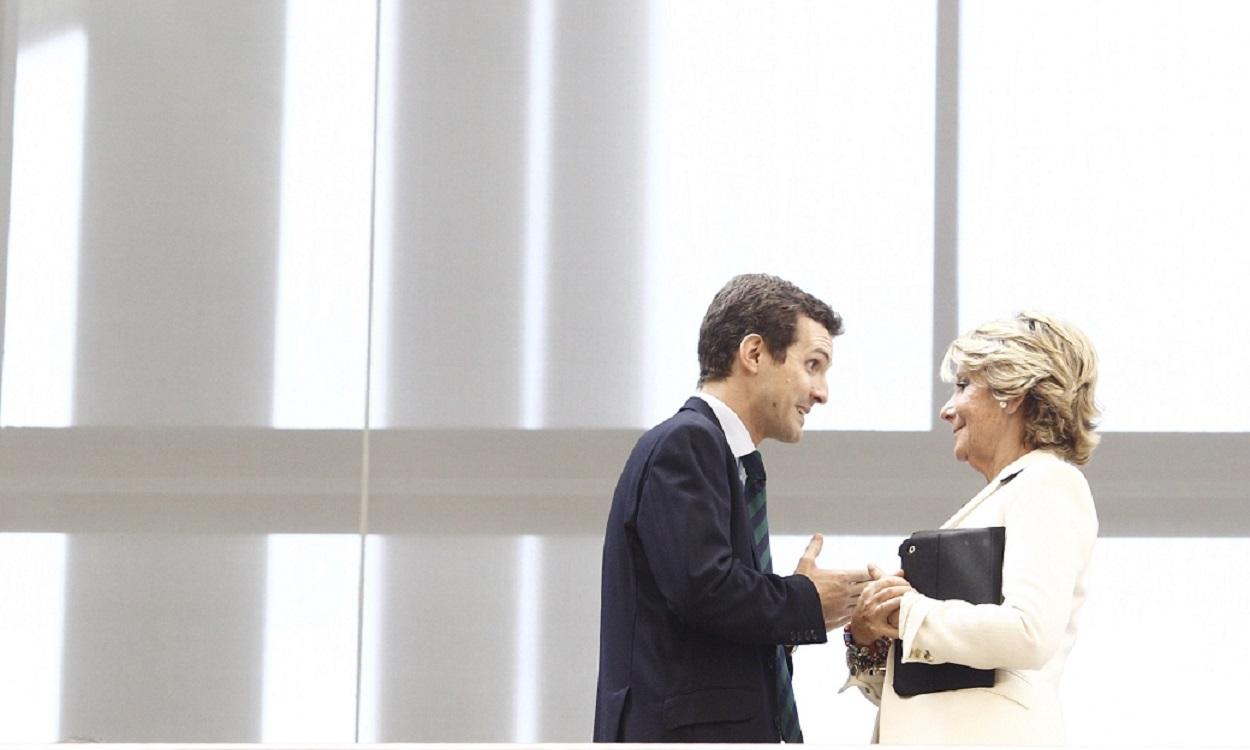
[864, 658]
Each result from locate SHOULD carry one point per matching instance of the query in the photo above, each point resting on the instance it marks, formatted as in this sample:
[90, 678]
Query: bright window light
[41, 296]
[796, 139]
[311, 609]
[370, 708]
[32, 626]
[384, 221]
[537, 211]
[1136, 585]
[323, 266]
[526, 691]
[1104, 177]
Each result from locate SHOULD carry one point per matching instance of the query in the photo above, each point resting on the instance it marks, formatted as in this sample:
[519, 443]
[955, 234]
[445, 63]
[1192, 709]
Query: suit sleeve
[1051, 528]
[683, 526]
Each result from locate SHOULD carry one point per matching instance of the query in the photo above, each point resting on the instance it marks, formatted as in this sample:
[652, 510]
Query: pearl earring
[1002, 404]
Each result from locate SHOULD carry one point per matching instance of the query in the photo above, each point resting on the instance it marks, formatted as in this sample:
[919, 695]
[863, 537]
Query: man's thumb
[813, 547]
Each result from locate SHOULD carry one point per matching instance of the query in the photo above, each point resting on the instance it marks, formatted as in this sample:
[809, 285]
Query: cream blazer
[1048, 511]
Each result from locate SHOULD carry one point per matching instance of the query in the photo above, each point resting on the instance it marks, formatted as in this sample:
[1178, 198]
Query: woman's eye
[962, 384]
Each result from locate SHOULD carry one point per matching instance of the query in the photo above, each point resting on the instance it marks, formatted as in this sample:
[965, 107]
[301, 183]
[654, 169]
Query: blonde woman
[1022, 415]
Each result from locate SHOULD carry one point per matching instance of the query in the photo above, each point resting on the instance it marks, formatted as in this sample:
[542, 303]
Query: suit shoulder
[686, 425]
[686, 436]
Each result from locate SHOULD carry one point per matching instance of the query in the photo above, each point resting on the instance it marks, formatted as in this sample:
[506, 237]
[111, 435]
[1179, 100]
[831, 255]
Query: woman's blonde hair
[1048, 362]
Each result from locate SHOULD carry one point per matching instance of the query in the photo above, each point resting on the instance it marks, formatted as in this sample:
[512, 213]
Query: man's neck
[735, 397]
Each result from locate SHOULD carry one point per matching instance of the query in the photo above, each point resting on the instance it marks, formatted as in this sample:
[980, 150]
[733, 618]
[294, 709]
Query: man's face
[787, 391]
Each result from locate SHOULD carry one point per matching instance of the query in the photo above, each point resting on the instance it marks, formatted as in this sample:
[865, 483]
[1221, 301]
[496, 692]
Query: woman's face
[980, 423]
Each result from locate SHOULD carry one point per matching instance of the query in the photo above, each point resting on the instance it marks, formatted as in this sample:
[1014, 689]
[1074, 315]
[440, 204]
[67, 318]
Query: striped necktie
[757, 511]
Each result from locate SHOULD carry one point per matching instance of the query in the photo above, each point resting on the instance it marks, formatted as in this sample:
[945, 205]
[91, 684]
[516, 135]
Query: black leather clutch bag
[964, 564]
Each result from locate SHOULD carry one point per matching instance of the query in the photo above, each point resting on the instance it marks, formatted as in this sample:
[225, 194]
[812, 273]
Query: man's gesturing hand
[839, 589]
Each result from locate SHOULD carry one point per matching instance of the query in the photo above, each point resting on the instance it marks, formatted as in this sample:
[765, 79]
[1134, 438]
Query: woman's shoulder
[1047, 471]
[1046, 465]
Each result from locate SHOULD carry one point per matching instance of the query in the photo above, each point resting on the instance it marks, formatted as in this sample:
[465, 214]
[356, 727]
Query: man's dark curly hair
[756, 303]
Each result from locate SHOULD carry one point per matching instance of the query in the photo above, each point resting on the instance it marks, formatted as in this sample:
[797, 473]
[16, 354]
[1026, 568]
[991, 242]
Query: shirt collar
[736, 433]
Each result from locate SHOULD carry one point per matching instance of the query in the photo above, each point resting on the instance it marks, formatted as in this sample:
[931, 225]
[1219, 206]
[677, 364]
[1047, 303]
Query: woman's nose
[947, 412]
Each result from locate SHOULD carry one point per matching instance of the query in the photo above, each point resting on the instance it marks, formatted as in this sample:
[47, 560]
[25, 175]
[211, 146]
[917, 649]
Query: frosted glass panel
[32, 623]
[41, 295]
[163, 637]
[311, 615]
[177, 274]
[141, 314]
[796, 139]
[1138, 589]
[553, 220]
[464, 650]
[327, 186]
[1104, 176]
[190, 215]
[450, 228]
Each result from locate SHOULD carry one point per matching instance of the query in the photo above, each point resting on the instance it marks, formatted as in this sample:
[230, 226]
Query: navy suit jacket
[689, 626]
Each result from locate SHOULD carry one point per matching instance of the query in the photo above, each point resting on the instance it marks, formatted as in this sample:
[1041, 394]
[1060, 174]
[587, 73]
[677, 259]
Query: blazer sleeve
[683, 526]
[1051, 525]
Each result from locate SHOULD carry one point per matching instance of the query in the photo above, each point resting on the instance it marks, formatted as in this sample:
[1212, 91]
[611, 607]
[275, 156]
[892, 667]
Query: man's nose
[820, 392]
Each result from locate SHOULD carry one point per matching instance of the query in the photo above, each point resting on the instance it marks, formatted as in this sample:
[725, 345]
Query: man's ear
[751, 351]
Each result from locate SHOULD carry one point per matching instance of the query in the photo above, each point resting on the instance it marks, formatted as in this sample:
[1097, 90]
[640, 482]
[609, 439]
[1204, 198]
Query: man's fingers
[890, 582]
[890, 593]
[839, 622]
[813, 547]
[859, 576]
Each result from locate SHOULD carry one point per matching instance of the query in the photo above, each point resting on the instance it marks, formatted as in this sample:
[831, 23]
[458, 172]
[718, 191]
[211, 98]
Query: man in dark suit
[693, 621]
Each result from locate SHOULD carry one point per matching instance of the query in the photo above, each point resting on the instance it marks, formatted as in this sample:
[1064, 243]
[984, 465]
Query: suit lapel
[737, 498]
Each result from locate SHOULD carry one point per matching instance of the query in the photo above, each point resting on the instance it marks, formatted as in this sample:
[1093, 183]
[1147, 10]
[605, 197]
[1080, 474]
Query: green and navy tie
[757, 511]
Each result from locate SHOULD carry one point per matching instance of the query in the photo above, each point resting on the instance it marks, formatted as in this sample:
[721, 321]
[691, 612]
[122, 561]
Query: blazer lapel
[971, 505]
[1008, 473]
